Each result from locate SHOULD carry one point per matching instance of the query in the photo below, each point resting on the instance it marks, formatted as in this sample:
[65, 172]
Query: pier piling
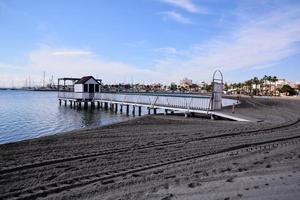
[85, 105]
[140, 110]
[133, 110]
[116, 108]
[127, 109]
[92, 105]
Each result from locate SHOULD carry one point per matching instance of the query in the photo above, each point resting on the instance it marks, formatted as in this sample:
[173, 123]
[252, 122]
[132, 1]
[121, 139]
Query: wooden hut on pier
[81, 89]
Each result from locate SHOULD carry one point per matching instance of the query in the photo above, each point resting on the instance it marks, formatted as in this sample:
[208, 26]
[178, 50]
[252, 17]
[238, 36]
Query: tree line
[264, 86]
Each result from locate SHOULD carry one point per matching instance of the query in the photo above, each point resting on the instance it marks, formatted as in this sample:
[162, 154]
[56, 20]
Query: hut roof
[85, 79]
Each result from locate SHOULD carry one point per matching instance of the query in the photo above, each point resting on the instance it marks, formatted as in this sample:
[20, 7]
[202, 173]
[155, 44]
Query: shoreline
[163, 157]
[76, 130]
[28, 127]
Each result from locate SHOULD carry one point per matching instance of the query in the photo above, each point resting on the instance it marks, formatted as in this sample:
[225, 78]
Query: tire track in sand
[240, 133]
[56, 187]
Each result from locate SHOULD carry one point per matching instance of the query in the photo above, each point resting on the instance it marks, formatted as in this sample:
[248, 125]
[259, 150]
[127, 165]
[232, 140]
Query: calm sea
[26, 114]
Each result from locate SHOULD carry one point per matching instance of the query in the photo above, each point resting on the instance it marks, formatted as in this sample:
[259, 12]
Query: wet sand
[164, 157]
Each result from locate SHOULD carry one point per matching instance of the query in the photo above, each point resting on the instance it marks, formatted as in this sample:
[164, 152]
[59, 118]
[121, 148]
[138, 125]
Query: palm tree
[240, 87]
[274, 80]
[256, 82]
[262, 83]
[249, 85]
[226, 87]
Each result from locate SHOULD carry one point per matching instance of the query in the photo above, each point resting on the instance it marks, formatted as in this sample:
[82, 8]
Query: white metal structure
[151, 100]
[217, 91]
[171, 102]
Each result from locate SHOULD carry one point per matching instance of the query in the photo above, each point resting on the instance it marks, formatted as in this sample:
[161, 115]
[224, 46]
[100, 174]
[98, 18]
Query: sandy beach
[164, 157]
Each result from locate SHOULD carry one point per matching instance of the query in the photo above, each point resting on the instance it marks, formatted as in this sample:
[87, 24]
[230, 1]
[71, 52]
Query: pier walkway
[186, 103]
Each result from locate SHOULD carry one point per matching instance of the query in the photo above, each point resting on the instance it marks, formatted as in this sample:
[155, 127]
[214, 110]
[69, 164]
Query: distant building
[186, 83]
[203, 87]
[156, 86]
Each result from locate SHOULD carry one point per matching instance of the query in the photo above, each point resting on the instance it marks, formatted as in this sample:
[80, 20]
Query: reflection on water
[25, 114]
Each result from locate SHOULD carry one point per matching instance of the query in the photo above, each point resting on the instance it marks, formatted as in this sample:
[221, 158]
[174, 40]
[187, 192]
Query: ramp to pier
[234, 116]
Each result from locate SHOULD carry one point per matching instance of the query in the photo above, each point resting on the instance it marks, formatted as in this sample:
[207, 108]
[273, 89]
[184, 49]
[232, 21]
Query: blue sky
[149, 40]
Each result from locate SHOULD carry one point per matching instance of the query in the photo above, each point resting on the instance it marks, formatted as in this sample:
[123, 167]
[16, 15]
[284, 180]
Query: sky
[148, 41]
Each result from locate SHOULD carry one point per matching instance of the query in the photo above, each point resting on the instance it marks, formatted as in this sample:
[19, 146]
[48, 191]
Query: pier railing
[76, 95]
[179, 101]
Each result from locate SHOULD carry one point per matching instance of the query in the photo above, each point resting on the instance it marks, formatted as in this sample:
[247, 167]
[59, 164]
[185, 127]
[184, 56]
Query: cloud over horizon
[253, 41]
[256, 43]
[79, 63]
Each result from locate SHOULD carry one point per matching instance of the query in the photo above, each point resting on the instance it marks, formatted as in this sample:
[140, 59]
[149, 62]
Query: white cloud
[170, 52]
[175, 16]
[167, 50]
[72, 53]
[15, 77]
[9, 66]
[257, 43]
[186, 5]
[43, 59]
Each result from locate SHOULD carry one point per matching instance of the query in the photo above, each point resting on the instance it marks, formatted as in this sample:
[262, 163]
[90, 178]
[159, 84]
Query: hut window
[97, 88]
[91, 88]
[85, 88]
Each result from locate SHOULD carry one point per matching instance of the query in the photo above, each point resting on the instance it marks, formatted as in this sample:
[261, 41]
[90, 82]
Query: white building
[87, 84]
[186, 83]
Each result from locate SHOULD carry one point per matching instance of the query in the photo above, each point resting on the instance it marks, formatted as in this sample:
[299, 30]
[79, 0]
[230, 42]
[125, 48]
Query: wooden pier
[86, 93]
